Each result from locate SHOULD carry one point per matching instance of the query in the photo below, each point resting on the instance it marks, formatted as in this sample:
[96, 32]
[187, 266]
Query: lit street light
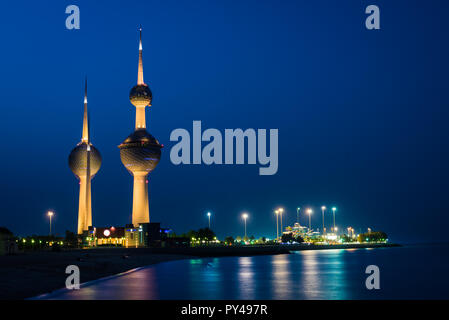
[323, 208]
[281, 210]
[50, 214]
[208, 215]
[333, 211]
[297, 214]
[277, 223]
[245, 216]
[309, 212]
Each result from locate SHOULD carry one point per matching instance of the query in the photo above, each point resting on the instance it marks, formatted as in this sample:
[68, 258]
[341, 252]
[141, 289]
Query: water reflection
[245, 274]
[323, 274]
[281, 283]
[327, 274]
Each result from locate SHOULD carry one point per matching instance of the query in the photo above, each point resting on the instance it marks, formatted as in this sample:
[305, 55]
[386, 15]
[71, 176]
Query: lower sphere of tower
[78, 160]
[140, 152]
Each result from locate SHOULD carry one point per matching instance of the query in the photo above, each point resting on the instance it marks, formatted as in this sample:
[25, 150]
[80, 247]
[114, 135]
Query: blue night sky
[362, 115]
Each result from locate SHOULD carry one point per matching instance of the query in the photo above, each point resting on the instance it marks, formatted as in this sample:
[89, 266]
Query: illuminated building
[140, 152]
[104, 236]
[85, 161]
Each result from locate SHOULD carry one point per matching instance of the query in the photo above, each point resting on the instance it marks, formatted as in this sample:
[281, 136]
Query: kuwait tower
[85, 161]
[140, 152]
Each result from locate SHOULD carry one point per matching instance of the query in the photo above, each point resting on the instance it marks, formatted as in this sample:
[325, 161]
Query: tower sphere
[140, 95]
[140, 152]
[78, 160]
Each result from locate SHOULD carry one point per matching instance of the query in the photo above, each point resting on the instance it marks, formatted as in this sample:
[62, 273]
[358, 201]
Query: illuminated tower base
[141, 211]
[85, 206]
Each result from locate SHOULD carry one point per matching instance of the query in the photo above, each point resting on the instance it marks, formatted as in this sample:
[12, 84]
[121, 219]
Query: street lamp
[245, 216]
[323, 208]
[309, 212]
[208, 215]
[50, 214]
[281, 210]
[277, 223]
[333, 211]
[350, 232]
[297, 214]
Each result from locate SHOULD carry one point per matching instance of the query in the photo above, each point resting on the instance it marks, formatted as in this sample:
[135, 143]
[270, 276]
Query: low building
[145, 235]
[8, 244]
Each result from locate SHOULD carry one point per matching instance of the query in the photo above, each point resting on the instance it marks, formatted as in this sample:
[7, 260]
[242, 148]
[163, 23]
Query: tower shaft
[140, 117]
[84, 208]
[141, 211]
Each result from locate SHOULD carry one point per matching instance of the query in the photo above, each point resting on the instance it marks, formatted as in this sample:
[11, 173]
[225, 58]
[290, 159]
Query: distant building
[8, 244]
[145, 235]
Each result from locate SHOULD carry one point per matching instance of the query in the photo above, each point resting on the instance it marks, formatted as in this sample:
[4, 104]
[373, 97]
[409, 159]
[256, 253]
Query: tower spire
[140, 69]
[85, 137]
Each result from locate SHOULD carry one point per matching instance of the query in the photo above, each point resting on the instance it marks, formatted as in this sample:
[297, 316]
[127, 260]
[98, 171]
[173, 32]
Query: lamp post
[208, 215]
[309, 212]
[297, 214]
[333, 211]
[50, 214]
[245, 216]
[277, 224]
[323, 208]
[281, 210]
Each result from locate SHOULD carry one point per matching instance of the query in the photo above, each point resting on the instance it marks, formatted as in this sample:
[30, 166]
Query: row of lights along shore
[279, 213]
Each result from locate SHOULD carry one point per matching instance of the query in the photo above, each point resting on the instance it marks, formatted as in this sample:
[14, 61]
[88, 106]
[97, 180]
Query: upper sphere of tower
[140, 95]
[78, 160]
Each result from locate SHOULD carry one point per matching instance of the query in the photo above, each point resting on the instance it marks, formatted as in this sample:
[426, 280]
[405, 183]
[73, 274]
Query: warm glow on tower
[85, 161]
[140, 152]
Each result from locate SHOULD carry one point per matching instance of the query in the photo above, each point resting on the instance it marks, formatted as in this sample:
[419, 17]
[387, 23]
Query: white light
[107, 233]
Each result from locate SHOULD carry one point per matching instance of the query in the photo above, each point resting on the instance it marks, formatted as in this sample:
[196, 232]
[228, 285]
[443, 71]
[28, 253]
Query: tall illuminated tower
[140, 152]
[85, 161]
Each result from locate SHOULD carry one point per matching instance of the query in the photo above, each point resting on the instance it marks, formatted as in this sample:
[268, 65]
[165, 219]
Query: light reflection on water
[325, 274]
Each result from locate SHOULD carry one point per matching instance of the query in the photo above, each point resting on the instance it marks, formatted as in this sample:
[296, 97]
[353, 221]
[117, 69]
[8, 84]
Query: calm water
[411, 272]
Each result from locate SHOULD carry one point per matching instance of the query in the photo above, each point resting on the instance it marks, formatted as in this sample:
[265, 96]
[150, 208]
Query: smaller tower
[85, 161]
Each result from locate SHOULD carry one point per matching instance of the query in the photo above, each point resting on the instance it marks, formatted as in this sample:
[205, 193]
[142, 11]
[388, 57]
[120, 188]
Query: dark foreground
[31, 274]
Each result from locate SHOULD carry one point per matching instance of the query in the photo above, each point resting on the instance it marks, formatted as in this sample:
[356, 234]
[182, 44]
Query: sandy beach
[30, 274]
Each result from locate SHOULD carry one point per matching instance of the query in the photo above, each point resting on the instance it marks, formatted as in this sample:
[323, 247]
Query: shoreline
[32, 274]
